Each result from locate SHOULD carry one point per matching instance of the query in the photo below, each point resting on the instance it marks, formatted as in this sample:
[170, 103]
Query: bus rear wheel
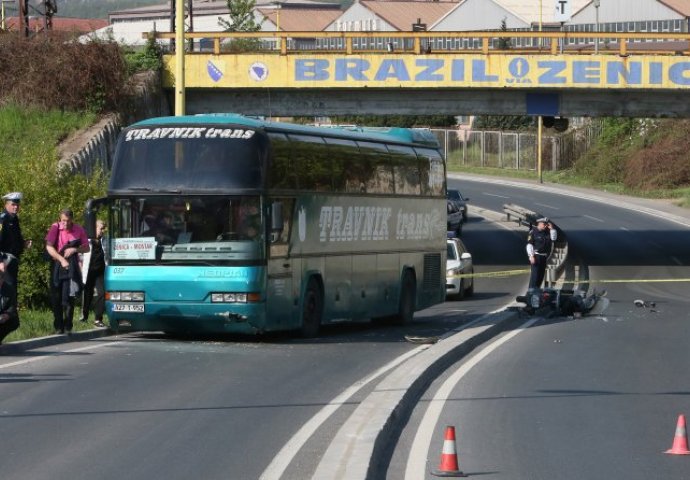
[312, 309]
[406, 303]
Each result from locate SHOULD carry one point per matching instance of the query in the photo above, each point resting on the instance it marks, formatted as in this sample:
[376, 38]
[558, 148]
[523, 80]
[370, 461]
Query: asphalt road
[147, 406]
[593, 398]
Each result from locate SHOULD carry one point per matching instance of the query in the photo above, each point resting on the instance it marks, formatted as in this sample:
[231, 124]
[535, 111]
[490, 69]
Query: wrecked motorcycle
[568, 303]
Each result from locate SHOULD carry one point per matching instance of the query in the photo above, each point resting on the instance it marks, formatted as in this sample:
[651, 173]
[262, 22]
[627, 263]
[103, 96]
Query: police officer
[11, 239]
[9, 317]
[539, 240]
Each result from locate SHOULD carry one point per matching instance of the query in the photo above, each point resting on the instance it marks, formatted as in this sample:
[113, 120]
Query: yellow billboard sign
[424, 71]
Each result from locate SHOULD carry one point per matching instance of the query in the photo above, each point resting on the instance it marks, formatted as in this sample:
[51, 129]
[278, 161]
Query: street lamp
[596, 40]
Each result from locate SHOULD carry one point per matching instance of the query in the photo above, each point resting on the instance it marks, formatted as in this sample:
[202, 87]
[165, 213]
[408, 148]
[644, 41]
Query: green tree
[504, 122]
[241, 20]
[504, 42]
[241, 17]
[396, 120]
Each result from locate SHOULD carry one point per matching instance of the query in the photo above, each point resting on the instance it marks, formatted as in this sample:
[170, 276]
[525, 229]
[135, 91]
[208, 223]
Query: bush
[29, 165]
[662, 162]
[150, 58]
[52, 72]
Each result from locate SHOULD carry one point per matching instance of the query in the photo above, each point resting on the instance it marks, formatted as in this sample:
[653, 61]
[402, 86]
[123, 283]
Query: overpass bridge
[433, 73]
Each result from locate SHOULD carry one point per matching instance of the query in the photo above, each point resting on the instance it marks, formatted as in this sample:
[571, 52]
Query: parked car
[455, 221]
[461, 201]
[458, 262]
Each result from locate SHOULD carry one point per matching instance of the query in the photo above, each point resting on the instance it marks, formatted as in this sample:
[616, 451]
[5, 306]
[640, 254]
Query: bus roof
[418, 136]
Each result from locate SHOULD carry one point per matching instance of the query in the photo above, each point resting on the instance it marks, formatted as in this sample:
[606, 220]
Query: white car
[459, 262]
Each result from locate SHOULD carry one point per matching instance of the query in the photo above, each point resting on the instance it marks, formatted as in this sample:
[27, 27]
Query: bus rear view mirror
[277, 217]
[90, 211]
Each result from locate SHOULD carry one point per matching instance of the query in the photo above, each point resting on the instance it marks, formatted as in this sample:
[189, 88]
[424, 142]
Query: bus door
[280, 294]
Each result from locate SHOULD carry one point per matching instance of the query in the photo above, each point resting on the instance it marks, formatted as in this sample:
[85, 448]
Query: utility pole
[179, 59]
[597, 4]
[24, 17]
[49, 9]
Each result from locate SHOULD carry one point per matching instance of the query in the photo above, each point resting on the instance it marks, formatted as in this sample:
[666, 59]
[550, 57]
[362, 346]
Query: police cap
[543, 220]
[13, 197]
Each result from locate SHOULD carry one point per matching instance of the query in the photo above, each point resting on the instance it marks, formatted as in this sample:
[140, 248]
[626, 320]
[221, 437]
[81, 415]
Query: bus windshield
[202, 160]
[207, 230]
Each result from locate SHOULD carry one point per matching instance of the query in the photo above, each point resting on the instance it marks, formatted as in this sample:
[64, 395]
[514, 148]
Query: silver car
[456, 197]
[459, 262]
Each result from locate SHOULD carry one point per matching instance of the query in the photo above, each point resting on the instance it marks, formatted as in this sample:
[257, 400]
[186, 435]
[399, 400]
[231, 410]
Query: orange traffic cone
[449, 457]
[680, 440]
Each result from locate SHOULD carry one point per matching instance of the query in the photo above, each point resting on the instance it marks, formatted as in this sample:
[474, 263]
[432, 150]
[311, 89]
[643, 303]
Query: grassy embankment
[641, 158]
[26, 138]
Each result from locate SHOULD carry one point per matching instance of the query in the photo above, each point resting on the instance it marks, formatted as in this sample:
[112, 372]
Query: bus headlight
[125, 296]
[234, 297]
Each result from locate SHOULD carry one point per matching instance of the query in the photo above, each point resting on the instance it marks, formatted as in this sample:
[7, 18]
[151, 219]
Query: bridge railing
[471, 42]
[516, 150]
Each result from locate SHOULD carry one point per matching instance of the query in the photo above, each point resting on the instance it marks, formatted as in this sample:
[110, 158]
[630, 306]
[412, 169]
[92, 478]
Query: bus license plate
[128, 307]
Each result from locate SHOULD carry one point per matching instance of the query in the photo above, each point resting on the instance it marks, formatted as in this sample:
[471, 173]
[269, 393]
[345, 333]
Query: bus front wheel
[312, 309]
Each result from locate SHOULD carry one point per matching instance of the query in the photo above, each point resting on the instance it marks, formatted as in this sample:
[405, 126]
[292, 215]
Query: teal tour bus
[225, 223]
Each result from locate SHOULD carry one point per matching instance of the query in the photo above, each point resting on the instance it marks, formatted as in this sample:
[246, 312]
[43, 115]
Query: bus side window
[282, 172]
[380, 179]
[311, 159]
[405, 170]
[280, 240]
[347, 165]
[433, 174]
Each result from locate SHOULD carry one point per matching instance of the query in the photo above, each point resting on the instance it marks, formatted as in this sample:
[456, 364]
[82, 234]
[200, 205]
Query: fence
[518, 151]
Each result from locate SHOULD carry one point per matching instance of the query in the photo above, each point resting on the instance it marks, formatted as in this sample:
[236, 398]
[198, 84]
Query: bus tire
[312, 309]
[407, 300]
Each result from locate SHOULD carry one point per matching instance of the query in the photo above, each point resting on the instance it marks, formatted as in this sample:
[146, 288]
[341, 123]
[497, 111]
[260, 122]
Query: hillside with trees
[99, 8]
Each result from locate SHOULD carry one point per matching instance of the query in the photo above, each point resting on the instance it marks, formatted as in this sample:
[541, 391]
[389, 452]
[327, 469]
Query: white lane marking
[282, 460]
[56, 354]
[547, 206]
[417, 460]
[593, 218]
[494, 195]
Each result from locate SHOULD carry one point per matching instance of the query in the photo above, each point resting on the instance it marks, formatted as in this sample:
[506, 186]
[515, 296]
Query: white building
[128, 26]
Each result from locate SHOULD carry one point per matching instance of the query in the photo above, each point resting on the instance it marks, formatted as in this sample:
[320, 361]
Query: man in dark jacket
[95, 274]
[11, 238]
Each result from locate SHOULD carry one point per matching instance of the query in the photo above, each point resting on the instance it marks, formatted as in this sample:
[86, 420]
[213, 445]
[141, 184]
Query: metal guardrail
[487, 42]
[555, 264]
